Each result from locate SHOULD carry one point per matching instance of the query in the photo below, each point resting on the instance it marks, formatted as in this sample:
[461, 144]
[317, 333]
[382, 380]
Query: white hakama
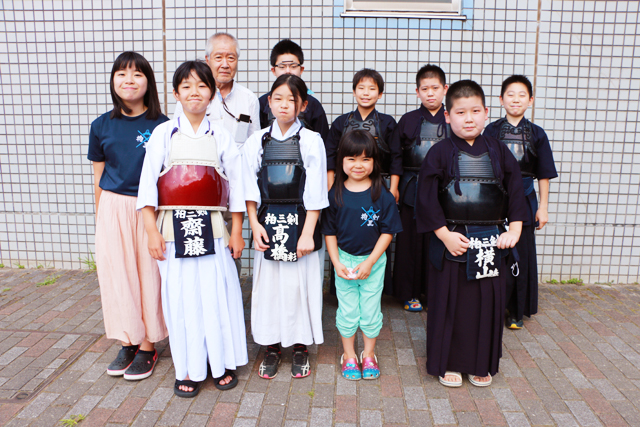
[202, 305]
[201, 296]
[286, 302]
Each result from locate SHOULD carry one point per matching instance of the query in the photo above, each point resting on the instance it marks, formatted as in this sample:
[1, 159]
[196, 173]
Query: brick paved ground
[576, 363]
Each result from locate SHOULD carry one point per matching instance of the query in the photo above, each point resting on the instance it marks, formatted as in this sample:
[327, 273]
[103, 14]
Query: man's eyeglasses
[289, 65]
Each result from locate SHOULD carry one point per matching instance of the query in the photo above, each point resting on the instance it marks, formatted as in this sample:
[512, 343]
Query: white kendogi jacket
[201, 296]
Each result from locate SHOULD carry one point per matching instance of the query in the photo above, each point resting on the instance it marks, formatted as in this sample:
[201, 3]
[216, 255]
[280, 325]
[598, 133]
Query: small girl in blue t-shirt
[358, 227]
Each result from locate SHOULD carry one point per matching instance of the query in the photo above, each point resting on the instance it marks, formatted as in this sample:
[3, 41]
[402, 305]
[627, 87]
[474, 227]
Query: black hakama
[464, 321]
[465, 317]
[410, 272]
[522, 278]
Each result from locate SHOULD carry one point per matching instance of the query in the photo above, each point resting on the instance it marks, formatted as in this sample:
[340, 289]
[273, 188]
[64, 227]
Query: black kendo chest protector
[430, 134]
[282, 176]
[519, 140]
[483, 200]
[281, 180]
[371, 125]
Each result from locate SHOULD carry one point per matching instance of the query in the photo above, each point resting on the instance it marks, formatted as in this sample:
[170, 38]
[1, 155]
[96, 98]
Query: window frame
[402, 9]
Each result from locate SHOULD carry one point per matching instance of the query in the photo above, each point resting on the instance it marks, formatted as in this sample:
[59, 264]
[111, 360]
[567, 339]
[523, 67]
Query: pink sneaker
[350, 369]
[370, 369]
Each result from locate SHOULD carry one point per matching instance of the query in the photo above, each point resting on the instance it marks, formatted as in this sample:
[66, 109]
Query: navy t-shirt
[360, 221]
[121, 145]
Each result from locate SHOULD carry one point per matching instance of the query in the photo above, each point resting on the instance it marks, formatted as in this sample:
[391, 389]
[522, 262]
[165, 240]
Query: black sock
[130, 347]
[150, 353]
[299, 347]
[274, 347]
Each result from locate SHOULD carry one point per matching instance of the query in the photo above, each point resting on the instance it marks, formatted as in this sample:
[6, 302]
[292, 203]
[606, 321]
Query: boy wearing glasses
[287, 58]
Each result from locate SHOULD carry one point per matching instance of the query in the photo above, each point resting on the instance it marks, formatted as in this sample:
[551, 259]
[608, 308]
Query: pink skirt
[128, 276]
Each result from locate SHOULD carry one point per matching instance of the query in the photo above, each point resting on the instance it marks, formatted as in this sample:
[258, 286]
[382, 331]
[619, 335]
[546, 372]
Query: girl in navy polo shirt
[128, 276]
[358, 226]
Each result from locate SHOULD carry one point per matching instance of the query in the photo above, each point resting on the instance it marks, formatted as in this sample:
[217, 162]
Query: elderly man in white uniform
[234, 107]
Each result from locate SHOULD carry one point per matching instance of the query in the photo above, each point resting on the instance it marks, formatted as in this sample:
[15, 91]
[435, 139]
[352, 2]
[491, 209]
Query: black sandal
[230, 385]
[181, 393]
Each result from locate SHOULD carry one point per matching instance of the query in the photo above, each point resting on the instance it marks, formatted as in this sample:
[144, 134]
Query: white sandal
[451, 383]
[479, 383]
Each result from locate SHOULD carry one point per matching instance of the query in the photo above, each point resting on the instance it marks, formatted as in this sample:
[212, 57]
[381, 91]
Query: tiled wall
[55, 58]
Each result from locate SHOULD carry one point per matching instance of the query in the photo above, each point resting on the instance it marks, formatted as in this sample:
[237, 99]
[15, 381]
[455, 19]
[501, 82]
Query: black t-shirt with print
[360, 221]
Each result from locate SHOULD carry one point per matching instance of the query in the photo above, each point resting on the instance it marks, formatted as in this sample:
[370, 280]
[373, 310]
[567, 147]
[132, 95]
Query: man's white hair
[216, 36]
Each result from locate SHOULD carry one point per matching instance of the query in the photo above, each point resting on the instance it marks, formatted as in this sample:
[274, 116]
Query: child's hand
[363, 270]
[456, 243]
[508, 239]
[157, 246]
[236, 245]
[260, 236]
[342, 271]
[542, 216]
[305, 245]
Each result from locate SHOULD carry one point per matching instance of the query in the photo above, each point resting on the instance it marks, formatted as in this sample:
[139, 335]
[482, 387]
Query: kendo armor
[430, 134]
[194, 179]
[371, 125]
[483, 201]
[519, 140]
[282, 177]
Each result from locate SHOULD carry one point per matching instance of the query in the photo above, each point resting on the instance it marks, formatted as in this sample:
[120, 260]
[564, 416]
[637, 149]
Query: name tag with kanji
[193, 233]
[483, 257]
[281, 224]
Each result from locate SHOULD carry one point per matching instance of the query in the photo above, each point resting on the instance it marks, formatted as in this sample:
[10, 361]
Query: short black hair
[151, 100]
[463, 89]
[431, 71]
[202, 70]
[517, 78]
[286, 46]
[368, 73]
[296, 85]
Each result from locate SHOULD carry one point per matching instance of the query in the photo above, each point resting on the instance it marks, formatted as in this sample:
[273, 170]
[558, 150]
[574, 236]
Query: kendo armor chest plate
[194, 178]
[483, 200]
[430, 133]
[371, 125]
[520, 140]
[282, 176]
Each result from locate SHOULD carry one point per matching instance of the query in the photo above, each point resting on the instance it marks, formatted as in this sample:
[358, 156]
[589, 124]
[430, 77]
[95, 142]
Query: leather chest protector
[371, 125]
[281, 180]
[282, 176]
[519, 140]
[483, 201]
[430, 133]
[194, 178]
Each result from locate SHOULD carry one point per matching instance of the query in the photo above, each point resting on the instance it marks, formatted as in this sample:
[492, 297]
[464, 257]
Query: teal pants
[359, 300]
